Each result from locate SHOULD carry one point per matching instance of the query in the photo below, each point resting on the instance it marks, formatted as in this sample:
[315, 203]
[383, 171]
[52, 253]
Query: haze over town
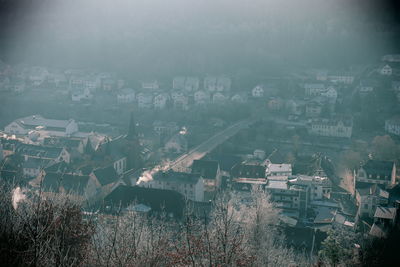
[220, 133]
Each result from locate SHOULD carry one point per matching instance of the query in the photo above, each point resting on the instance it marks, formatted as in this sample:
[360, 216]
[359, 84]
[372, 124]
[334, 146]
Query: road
[183, 162]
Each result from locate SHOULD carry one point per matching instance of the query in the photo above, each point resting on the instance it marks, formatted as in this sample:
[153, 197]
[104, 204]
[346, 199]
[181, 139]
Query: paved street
[185, 161]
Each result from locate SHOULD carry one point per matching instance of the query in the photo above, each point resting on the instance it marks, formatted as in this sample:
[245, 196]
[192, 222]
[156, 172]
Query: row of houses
[178, 99]
[210, 84]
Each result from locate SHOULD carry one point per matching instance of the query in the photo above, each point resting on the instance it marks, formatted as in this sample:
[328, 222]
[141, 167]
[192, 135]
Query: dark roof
[157, 199]
[248, 171]
[226, 161]
[61, 167]
[39, 151]
[206, 168]
[378, 167]
[71, 183]
[62, 142]
[106, 175]
[177, 177]
[36, 163]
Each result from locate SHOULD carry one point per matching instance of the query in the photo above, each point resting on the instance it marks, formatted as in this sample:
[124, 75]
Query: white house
[219, 98]
[239, 98]
[178, 83]
[152, 85]
[392, 125]
[386, 70]
[331, 94]
[333, 127]
[126, 95]
[78, 95]
[223, 84]
[210, 83]
[180, 100]
[320, 187]
[257, 91]
[191, 186]
[192, 84]
[160, 101]
[22, 126]
[377, 172]
[145, 100]
[201, 97]
[279, 169]
[314, 89]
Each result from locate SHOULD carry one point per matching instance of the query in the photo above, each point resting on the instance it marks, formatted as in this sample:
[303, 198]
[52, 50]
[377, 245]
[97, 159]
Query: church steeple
[132, 134]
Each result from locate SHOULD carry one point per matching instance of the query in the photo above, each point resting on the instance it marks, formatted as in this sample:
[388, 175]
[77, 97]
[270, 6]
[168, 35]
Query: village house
[145, 100]
[331, 127]
[126, 95]
[368, 198]
[385, 70]
[80, 187]
[75, 146]
[57, 79]
[192, 84]
[108, 84]
[178, 83]
[55, 154]
[32, 167]
[314, 89]
[160, 101]
[159, 201]
[330, 94]
[79, 95]
[377, 172]
[248, 169]
[107, 177]
[210, 172]
[219, 98]
[289, 198]
[313, 109]
[392, 125]
[366, 86]
[320, 187]
[341, 77]
[295, 107]
[210, 84]
[259, 154]
[165, 128]
[22, 126]
[274, 103]
[258, 91]
[112, 153]
[190, 185]
[223, 84]
[283, 169]
[150, 85]
[201, 97]
[180, 100]
[239, 98]
[391, 58]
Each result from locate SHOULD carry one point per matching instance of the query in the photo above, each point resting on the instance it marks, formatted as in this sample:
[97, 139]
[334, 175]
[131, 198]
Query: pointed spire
[132, 128]
[88, 148]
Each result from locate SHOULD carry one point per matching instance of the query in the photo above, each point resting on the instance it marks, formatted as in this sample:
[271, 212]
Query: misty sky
[162, 38]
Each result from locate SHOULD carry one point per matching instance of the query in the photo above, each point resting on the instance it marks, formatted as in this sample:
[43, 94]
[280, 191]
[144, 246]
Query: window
[365, 206]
